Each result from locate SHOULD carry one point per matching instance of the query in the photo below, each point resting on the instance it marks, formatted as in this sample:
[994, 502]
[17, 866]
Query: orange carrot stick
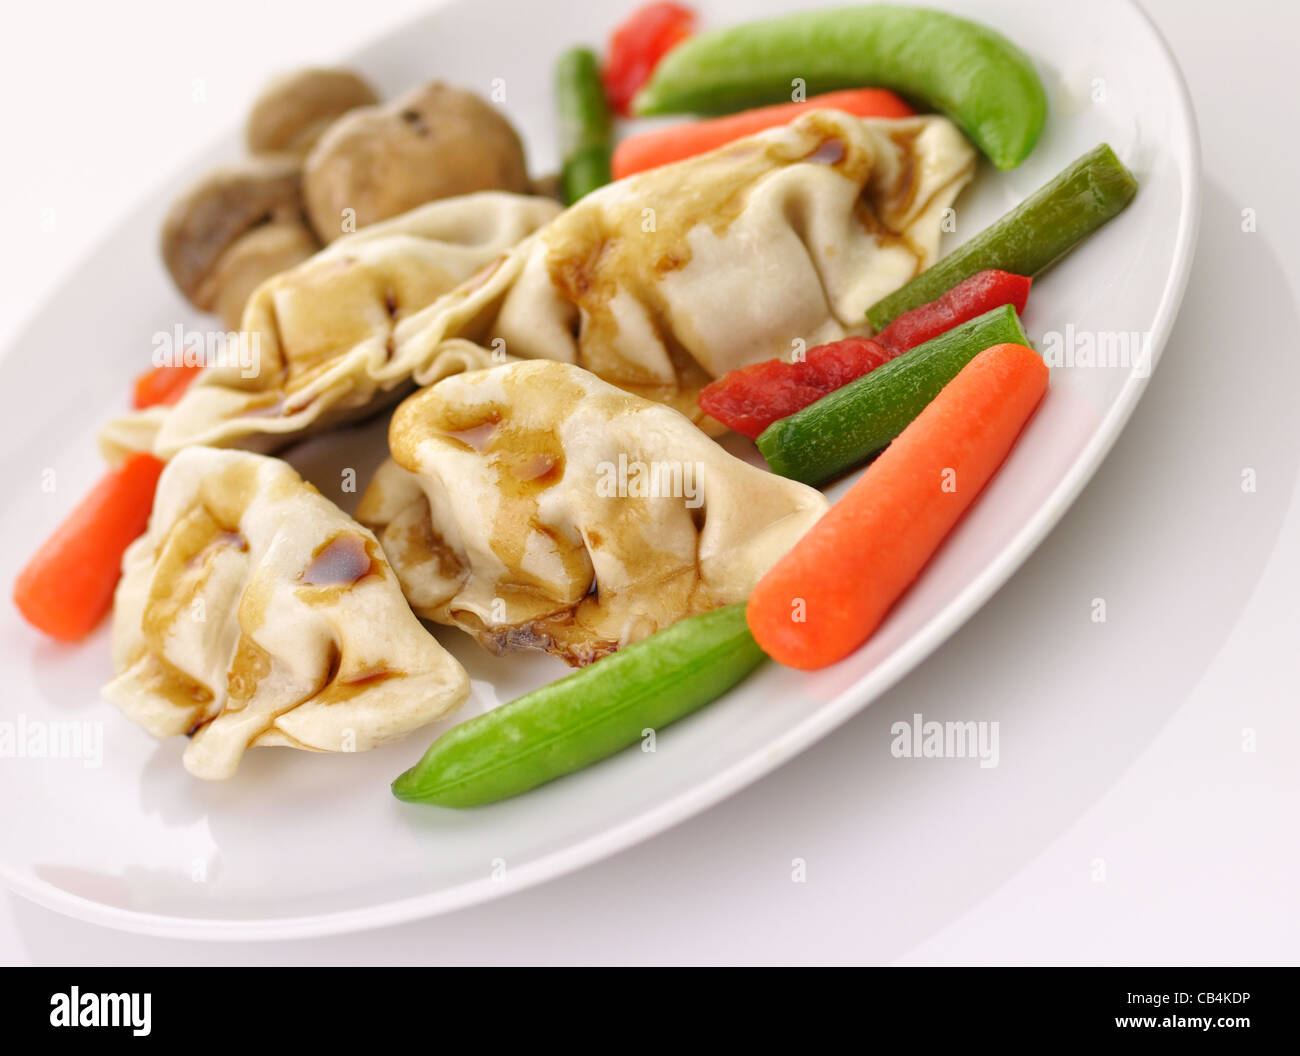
[162, 385]
[67, 587]
[808, 611]
[649, 150]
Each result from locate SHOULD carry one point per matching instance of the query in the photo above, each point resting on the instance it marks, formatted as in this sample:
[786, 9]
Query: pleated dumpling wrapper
[324, 341]
[253, 611]
[536, 506]
[664, 280]
[656, 283]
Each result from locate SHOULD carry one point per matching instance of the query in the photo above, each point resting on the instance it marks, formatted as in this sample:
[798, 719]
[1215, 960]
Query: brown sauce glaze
[343, 560]
[423, 545]
[169, 681]
[344, 689]
[601, 252]
[250, 664]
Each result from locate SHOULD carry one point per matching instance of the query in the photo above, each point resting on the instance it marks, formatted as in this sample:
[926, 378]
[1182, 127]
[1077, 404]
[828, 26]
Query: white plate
[303, 844]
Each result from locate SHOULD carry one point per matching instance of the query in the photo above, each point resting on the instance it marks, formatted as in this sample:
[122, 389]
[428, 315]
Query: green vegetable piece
[976, 76]
[585, 129]
[849, 425]
[1030, 238]
[587, 716]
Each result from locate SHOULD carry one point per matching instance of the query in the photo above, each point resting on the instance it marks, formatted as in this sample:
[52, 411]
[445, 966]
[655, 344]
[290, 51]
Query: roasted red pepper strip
[750, 399]
[982, 292]
[637, 45]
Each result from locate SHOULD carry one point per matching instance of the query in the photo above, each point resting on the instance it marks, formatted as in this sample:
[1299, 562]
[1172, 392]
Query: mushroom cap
[250, 261]
[293, 110]
[222, 207]
[381, 161]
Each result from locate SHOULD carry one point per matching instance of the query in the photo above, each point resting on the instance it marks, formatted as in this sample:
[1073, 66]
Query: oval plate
[303, 845]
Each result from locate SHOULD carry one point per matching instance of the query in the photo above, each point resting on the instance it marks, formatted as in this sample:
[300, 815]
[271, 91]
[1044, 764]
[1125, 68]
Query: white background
[1177, 846]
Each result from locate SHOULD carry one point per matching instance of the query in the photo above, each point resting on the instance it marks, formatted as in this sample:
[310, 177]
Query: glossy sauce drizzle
[343, 560]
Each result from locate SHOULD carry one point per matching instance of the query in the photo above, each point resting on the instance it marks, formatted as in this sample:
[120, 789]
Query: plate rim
[739, 775]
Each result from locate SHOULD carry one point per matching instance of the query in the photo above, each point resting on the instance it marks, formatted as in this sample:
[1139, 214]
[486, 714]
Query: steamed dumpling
[325, 331]
[677, 275]
[656, 283]
[254, 612]
[536, 506]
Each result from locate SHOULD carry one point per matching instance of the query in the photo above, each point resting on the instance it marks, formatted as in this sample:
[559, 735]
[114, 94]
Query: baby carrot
[846, 427]
[165, 384]
[807, 612]
[661, 146]
[67, 587]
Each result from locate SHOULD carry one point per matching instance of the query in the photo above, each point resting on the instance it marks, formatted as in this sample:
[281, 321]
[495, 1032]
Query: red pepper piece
[981, 293]
[636, 47]
[750, 399]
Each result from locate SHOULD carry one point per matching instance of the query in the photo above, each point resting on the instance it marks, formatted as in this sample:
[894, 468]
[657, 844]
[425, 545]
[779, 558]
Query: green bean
[849, 425]
[976, 76]
[1030, 238]
[586, 139]
[587, 716]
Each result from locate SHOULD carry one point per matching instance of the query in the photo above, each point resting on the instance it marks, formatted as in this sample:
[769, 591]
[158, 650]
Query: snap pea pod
[1031, 237]
[849, 425]
[587, 716]
[968, 71]
[586, 139]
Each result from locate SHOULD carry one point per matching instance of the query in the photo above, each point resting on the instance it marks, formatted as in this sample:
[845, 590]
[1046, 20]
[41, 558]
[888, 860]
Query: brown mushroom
[251, 260]
[203, 236]
[295, 108]
[380, 161]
